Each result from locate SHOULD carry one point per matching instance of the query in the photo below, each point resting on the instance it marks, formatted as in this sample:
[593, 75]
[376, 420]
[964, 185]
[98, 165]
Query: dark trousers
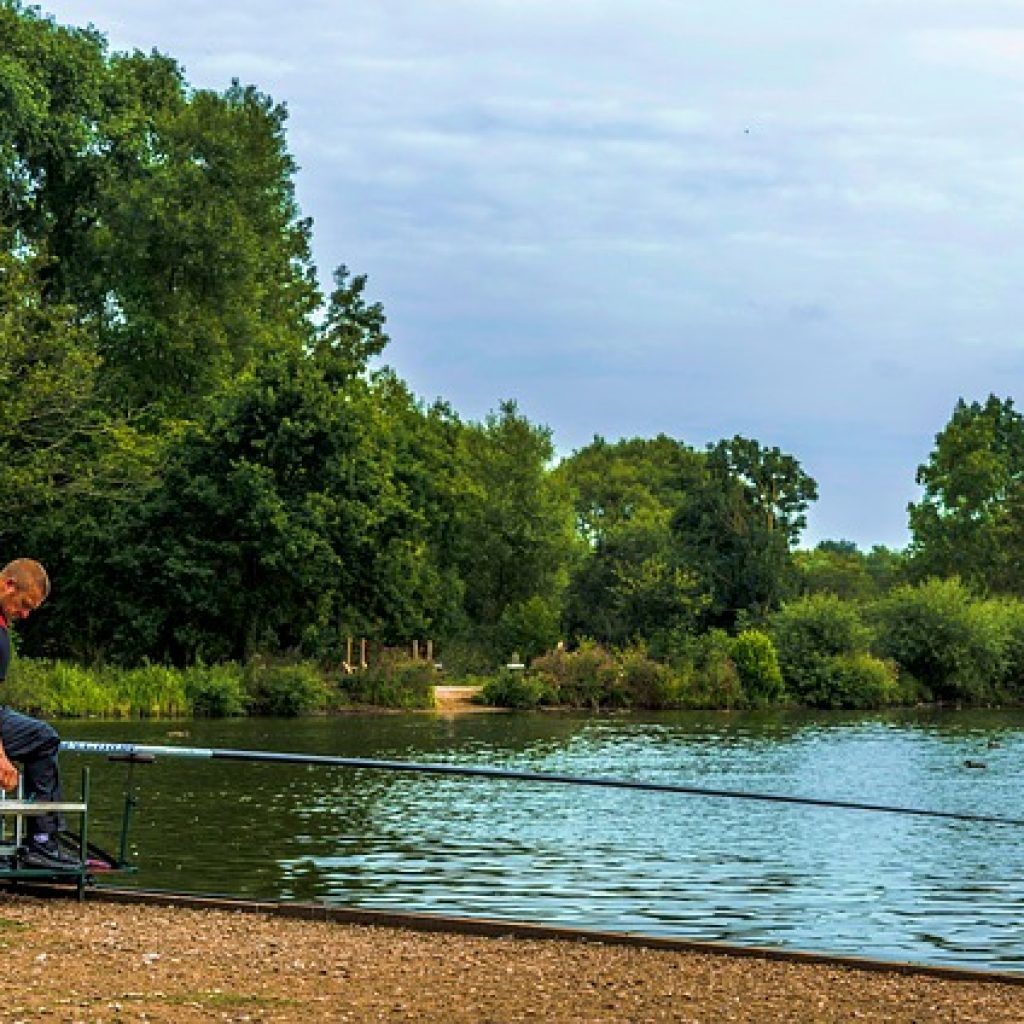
[34, 744]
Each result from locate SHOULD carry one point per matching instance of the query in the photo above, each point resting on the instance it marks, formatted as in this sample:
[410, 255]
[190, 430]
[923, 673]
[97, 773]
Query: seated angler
[24, 586]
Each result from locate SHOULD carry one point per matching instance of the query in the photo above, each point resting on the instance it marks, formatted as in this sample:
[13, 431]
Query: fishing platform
[84, 860]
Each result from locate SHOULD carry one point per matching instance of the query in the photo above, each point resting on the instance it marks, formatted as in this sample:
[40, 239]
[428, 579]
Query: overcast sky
[796, 220]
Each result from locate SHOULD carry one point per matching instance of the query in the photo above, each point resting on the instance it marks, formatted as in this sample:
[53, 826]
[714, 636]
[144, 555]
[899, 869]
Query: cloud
[987, 51]
[797, 221]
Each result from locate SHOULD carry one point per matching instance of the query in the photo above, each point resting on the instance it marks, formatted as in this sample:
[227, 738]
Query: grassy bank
[64, 690]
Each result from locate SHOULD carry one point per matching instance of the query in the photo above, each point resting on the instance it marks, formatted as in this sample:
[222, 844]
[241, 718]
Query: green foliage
[585, 678]
[859, 681]
[529, 628]
[633, 585]
[513, 523]
[60, 689]
[735, 528]
[757, 664]
[838, 567]
[651, 685]
[216, 691]
[709, 676]
[393, 682]
[926, 630]
[1007, 615]
[808, 634]
[514, 689]
[631, 483]
[284, 689]
[970, 519]
[777, 489]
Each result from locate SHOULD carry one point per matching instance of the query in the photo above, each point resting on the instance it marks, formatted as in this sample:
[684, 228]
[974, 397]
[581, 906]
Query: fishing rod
[139, 751]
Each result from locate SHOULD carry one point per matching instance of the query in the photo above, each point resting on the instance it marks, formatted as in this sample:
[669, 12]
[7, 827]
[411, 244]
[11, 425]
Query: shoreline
[103, 961]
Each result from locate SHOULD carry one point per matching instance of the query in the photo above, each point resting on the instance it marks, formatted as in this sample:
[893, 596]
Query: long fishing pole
[130, 750]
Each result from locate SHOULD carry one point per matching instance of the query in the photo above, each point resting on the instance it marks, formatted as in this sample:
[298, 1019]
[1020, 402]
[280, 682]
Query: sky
[801, 221]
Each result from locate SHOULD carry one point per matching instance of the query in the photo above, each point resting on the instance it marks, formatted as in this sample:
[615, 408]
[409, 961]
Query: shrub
[1009, 613]
[396, 681]
[860, 681]
[649, 684]
[62, 689]
[286, 689]
[585, 678]
[757, 663]
[711, 679]
[215, 691]
[153, 690]
[513, 689]
[937, 633]
[808, 634]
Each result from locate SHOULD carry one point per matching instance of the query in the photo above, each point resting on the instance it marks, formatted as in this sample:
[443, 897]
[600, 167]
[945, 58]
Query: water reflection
[869, 884]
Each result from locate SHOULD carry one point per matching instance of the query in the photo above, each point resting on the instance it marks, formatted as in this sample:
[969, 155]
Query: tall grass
[60, 689]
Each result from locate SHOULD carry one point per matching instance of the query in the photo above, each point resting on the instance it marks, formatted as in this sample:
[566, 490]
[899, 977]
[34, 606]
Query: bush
[650, 684]
[943, 637]
[215, 691]
[285, 689]
[585, 678]
[61, 689]
[513, 689]
[396, 681]
[860, 681]
[709, 677]
[1009, 613]
[809, 634]
[757, 663]
[153, 690]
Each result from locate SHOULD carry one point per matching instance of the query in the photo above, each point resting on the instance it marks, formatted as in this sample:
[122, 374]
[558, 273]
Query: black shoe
[48, 854]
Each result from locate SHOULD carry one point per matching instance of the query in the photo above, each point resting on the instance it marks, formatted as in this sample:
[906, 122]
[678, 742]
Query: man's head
[24, 586]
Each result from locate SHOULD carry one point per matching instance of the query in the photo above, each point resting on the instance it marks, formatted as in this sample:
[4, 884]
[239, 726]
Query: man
[24, 586]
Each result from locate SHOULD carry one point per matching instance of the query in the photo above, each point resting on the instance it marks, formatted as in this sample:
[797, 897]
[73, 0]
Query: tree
[633, 481]
[514, 523]
[167, 214]
[735, 528]
[970, 519]
[632, 586]
[775, 485]
[841, 568]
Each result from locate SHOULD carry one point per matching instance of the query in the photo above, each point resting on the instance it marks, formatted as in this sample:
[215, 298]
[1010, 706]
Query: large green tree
[970, 519]
[513, 524]
[629, 583]
[167, 213]
[735, 529]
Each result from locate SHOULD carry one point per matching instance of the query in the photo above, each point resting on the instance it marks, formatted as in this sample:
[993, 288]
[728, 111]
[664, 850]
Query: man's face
[18, 602]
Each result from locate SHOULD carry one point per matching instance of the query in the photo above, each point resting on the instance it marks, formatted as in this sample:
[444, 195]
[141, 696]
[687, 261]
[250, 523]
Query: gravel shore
[91, 962]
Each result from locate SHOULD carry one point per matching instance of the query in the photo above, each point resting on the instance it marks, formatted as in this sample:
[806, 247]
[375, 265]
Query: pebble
[185, 966]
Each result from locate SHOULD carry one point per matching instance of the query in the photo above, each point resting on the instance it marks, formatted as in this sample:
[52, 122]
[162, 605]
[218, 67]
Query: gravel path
[67, 961]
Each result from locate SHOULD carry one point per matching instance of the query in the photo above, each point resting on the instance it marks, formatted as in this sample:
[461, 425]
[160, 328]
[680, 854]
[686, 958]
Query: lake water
[844, 881]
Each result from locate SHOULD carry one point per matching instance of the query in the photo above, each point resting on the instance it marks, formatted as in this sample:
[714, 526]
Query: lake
[843, 881]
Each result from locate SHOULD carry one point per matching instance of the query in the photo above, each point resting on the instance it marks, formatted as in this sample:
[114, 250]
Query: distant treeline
[217, 467]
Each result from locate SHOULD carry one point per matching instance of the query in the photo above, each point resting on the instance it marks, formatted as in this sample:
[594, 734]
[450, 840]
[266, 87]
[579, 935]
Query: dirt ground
[90, 962]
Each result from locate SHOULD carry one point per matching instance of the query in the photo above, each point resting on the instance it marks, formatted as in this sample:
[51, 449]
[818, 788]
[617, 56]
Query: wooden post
[362, 652]
[348, 652]
[415, 650]
[430, 651]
